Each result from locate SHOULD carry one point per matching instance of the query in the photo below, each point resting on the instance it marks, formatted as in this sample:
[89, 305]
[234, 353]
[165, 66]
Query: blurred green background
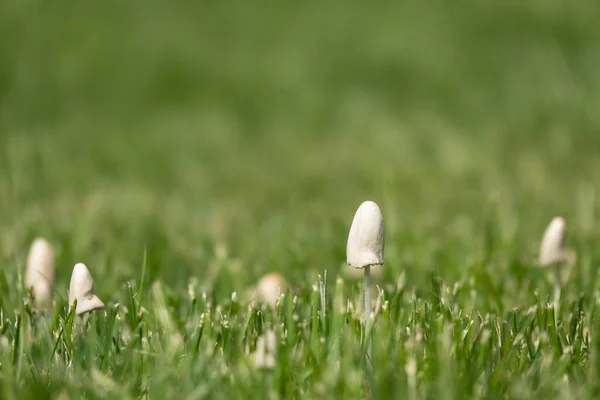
[236, 138]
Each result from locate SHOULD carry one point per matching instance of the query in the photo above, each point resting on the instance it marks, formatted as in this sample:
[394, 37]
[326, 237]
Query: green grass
[210, 144]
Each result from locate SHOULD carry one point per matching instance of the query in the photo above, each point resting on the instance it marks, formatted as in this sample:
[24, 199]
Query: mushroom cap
[356, 273]
[40, 262]
[40, 271]
[270, 286]
[88, 303]
[366, 240]
[82, 289]
[552, 249]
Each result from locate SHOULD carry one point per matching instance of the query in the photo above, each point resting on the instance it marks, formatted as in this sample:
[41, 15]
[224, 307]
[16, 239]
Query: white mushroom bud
[270, 287]
[552, 249]
[367, 237]
[82, 289]
[39, 275]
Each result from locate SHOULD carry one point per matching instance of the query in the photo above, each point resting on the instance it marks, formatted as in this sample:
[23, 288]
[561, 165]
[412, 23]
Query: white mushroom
[367, 237]
[39, 275]
[553, 254]
[365, 247]
[552, 249]
[82, 289]
[270, 287]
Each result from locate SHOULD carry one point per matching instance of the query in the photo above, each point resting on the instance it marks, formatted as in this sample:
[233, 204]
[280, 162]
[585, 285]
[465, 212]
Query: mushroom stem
[368, 309]
[557, 289]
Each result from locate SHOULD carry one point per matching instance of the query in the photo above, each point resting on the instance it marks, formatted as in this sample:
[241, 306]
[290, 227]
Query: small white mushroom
[270, 287]
[552, 249]
[554, 254]
[365, 248]
[39, 275]
[82, 289]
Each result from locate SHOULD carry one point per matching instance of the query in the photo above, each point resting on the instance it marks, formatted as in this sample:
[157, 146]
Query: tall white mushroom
[366, 242]
[39, 275]
[553, 253]
[82, 289]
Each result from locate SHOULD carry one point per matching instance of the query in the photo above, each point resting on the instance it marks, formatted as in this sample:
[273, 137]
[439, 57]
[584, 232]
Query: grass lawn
[183, 150]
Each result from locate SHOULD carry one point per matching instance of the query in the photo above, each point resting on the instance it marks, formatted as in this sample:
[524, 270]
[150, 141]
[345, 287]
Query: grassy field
[202, 145]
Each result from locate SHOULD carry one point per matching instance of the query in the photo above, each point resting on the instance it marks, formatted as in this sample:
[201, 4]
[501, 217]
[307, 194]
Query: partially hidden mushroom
[270, 287]
[82, 290]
